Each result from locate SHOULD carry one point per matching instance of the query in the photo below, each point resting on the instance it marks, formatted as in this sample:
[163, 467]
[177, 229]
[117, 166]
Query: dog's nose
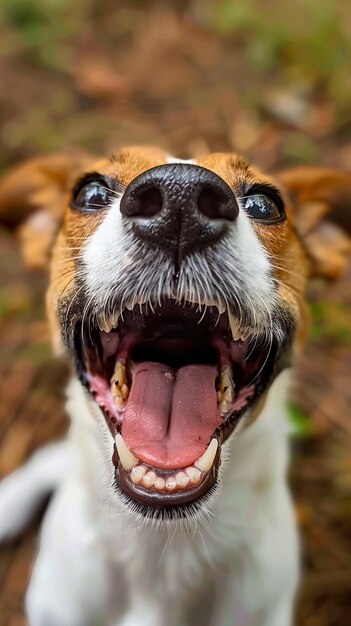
[180, 207]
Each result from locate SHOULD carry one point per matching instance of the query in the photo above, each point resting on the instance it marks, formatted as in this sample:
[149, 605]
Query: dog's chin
[172, 383]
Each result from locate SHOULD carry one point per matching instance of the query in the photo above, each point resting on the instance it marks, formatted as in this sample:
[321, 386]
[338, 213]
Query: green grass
[330, 320]
[308, 35]
[300, 424]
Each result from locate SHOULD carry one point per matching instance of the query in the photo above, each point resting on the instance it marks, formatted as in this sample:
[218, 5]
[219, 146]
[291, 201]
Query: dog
[177, 290]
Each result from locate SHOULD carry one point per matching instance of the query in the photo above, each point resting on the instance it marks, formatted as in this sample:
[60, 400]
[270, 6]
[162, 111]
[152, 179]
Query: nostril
[217, 205]
[150, 202]
[209, 203]
[144, 201]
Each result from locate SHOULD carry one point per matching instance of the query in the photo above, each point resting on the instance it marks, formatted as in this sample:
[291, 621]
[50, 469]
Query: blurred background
[270, 79]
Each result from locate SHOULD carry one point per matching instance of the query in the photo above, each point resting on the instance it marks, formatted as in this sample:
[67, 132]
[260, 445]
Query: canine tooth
[114, 319]
[128, 460]
[137, 473]
[159, 483]
[182, 479]
[171, 483]
[104, 325]
[234, 327]
[194, 474]
[237, 332]
[205, 462]
[149, 479]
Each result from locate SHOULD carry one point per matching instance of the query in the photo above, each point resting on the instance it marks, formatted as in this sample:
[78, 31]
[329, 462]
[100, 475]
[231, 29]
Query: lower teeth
[149, 479]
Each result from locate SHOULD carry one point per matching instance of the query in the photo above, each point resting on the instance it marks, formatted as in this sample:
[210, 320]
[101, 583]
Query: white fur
[235, 271]
[27, 487]
[236, 564]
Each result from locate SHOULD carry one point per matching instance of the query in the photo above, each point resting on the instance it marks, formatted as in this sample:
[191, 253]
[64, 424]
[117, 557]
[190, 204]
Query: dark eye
[262, 207]
[91, 196]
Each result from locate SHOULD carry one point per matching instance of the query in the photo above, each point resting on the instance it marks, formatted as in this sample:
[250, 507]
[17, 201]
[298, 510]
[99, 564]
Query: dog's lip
[154, 499]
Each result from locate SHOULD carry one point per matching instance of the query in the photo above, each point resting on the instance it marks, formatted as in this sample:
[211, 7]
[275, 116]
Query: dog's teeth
[226, 382]
[118, 401]
[194, 474]
[104, 325]
[224, 407]
[149, 479]
[227, 395]
[182, 479]
[119, 387]
[220, 308]
[205, 462]
[119, 374]
[226, 378]
[234, 327]
[114, 319]
[171, 483]
[127, 459]
[159, 483]
[137, 473]
[125, 391]
[237, 332]
[226, 389]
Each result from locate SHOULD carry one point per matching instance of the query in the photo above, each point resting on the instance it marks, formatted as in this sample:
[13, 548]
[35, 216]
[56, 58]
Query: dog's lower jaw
[168, 564]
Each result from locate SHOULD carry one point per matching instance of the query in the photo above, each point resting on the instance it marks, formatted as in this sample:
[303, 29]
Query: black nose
[180, 207]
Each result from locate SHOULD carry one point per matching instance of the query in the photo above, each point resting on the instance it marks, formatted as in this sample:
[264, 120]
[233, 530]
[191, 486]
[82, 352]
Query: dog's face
[178, 287]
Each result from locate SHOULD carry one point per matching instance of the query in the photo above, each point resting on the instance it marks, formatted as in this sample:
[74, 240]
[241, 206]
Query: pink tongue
[170, 414]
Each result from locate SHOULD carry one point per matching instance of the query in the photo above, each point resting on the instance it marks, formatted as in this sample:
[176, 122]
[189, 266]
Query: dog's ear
[32, 198]
[320, 203]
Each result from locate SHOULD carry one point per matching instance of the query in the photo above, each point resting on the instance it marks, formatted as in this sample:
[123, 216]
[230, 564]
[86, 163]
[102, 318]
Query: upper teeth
[225, 393]
[237, 332]
[107, 324]
[119, 384]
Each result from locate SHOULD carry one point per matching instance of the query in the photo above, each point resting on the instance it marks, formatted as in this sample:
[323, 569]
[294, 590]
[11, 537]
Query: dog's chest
[166, 560]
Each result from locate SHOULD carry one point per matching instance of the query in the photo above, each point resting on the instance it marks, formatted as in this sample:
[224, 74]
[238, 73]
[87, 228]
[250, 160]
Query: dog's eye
[262, 207]
[91, 196]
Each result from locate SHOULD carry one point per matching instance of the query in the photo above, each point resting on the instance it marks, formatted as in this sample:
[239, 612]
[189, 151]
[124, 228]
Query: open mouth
[172, 384]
